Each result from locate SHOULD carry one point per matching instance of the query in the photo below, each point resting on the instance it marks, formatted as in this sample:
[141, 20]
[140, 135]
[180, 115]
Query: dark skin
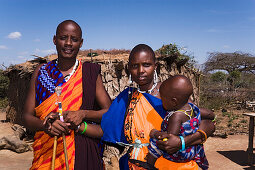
[68, 41]
[141, 67]
[174, 92]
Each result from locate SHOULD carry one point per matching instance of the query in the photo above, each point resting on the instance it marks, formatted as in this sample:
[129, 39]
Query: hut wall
[114, 77]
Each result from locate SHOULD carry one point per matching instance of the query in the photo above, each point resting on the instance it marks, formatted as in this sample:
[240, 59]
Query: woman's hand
[170, 144]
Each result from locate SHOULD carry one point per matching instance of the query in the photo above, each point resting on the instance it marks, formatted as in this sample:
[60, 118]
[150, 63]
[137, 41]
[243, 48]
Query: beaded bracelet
[183, 143]
[85, 127]
[214, 120]
[203, 134]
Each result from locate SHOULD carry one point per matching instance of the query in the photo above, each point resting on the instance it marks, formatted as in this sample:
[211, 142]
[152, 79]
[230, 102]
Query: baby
[182, 119]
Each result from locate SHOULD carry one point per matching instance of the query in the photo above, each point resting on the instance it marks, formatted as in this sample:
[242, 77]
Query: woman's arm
[207, 114]
[173, 143]
[104, 101]
[92, 130]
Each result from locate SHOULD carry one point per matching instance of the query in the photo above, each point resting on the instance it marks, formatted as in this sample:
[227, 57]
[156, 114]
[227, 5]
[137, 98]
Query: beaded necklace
[185, 112]
[148, 91]
[68, 76]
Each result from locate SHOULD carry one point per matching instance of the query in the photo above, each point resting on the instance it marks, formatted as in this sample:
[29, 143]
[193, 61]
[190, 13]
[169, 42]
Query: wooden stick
[54, 153]
[58, 91]
[65, 151]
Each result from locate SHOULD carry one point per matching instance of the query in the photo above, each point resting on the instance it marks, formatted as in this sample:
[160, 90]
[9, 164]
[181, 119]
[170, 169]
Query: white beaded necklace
[148, 91]
[67, 77]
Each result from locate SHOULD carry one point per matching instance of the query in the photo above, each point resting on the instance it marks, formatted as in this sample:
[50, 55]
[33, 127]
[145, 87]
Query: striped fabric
[71, 98]
[140, 120]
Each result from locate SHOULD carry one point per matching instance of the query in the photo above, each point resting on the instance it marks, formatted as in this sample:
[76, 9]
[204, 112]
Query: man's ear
[54, 39]
[81, 43]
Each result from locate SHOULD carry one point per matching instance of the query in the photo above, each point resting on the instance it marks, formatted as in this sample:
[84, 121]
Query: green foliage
[218, 76]
[4, 83]
[177, 54]
[169, 50]
[243, 121]
[3, 102]
[92, 54]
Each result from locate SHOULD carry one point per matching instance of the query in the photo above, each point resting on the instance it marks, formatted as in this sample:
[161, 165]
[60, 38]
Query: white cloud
[37, 40]
[226, 46]
[21, 57]
[44, 52]
[3, 47]
[14, 35]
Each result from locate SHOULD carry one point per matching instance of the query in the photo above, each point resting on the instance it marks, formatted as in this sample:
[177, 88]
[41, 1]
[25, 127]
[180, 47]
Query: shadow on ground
[240, 157]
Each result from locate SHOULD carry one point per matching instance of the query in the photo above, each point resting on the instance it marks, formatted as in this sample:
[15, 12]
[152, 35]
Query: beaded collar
[148, 91]
[68, 76]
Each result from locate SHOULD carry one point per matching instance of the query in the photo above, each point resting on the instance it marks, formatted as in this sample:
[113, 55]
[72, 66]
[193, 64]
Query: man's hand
[53, 126]
[74, 117]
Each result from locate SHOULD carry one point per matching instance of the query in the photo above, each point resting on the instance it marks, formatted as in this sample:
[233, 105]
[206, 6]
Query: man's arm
[34, 123]
[104, 101]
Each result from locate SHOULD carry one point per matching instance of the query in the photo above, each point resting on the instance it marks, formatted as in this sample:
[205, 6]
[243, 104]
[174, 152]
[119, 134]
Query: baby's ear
[175, 101]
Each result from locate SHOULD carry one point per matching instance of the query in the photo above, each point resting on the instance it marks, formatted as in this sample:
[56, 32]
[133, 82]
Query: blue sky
[201, 26]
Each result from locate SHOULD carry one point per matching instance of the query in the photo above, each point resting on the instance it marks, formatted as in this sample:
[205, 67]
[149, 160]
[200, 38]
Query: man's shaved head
[178, 87]
[67, 22]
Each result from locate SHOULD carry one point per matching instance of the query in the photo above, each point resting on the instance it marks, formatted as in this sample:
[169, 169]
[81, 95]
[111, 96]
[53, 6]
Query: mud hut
[113, 70]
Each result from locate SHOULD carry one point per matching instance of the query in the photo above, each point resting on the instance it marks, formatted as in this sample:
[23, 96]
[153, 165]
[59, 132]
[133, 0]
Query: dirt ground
[229, 153]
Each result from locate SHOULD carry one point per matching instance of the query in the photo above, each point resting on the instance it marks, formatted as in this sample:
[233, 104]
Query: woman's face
[141, 68]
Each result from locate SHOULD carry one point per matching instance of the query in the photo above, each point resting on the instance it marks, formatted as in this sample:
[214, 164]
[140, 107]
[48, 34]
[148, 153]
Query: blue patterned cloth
[48, 78]
[189, 127]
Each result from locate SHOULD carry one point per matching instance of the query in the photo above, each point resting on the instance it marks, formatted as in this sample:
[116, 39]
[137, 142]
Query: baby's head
[175, 92]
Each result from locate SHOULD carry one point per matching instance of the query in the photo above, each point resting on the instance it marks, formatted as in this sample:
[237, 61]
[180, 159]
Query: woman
[81, 86]
[135, 112]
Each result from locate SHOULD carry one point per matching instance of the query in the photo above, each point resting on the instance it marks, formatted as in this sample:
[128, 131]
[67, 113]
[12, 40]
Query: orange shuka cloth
[140, 120]
[71, 98]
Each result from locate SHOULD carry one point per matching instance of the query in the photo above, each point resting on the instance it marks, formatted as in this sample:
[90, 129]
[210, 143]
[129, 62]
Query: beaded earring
[155, 78]
[130, 81]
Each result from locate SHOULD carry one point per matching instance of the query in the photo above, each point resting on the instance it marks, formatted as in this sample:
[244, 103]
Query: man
[81, 86]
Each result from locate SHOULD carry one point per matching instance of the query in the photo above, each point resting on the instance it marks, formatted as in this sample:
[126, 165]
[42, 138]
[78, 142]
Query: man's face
[68, 40]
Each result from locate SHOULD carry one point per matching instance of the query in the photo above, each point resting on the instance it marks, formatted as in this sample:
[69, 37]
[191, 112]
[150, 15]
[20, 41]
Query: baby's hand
[153, 133]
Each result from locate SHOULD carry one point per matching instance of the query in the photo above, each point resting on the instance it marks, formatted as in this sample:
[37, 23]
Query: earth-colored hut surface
[222, 153]
[226, 150]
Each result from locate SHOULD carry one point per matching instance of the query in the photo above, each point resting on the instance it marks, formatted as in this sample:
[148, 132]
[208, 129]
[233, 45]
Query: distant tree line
[229, 78]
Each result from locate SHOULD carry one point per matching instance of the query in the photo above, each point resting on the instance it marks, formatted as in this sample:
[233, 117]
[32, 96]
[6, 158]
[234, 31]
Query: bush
[4, 84]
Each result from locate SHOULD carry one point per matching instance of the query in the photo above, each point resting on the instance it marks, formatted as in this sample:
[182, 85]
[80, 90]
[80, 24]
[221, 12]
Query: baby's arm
[174, 123]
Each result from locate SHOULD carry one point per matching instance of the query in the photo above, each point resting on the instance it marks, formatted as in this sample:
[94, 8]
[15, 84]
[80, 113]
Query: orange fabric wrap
[71, 98]
[140, 120]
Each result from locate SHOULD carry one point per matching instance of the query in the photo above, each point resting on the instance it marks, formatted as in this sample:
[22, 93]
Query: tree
[219, 76]
[237, 61]
[171, 53]
[4, 83]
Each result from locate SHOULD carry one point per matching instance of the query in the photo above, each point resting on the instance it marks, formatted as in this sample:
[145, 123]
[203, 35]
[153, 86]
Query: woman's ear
[157, 67]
